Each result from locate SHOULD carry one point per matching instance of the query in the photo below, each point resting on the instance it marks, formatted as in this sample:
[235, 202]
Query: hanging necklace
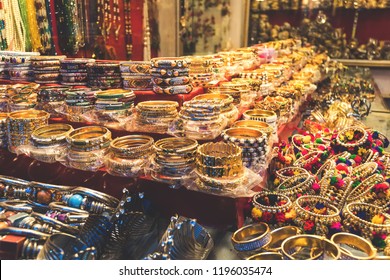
[147, 51]
[33, 26]
[43, 24]
[104, 17]
[3, 24]
[117, 19]
[23, 13]
[19, 33]
[128, 32]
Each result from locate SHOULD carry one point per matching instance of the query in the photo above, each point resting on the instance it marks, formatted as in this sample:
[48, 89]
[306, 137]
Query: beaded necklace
[36, 43]
[104, 17]
[3, 43]
[43, 24]
[23, 13]
[117, 19]
[128, 32]
[67, 25]
[146, 26]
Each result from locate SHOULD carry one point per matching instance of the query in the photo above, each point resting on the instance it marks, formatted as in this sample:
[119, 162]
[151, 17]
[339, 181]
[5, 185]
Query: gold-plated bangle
[262, 126]
[266, 256]
[225, 98]
[226, 171]
[176, 145]
[279, 235]
[88, 136]
[219, 154]
[132, 146]
[251, 238]
[310, 247]
[244, 133]
[260, 115]
[355, 242]
[51, 134]
[28, 115]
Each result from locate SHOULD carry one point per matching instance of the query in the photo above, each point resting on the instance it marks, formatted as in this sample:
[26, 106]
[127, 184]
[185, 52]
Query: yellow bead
[257, 213]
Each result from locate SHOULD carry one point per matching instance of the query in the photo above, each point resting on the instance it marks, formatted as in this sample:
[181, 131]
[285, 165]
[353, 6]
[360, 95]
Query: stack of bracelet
[272, 208]
[113, 104]
[268, 117]
[46, 69]
[247, 96]
[259, 125]
[135, 75]
[170, 75]
[158, 114]
[317, 215]
[49, 142]
[129, 155]
[297, 185]
[202, 119]
[22, 97]
[79, 102]
[253, 142]
[200, 71]
[74, 71]
[87, 146]
[18, 65]
[235, 93]
[4, 75]
[219, 166]
[21, 124]
[174, 159]
[51, 99]
[104, 75]
[229, 111]
[3, 130]
[253, 84]
[369, 221]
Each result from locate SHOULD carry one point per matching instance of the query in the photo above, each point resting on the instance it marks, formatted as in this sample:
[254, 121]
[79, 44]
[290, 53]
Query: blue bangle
[251, 237]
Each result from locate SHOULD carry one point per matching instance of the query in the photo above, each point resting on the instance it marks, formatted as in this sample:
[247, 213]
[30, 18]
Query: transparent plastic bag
[47, 154]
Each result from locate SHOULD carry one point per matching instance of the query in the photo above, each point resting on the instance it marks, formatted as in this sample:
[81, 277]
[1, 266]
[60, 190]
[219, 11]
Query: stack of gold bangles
[3, 130]
[246, 95]
[228, 110]
[174, 159]
[202, 119]
[21, 124]
[87, 146]
[268, 117]
[129, 155]
[253, 143]
[49, 141]
[113, 104]
[158, 114]
[219, 166]
[235, 93]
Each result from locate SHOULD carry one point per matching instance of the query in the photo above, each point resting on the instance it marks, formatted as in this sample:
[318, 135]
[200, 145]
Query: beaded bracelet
[272, 208]
[317, 215]
[368, 221]
[365, 191]
[297, 185]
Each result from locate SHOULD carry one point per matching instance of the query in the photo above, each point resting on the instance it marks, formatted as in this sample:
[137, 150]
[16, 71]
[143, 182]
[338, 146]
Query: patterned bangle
[135, 67]
[88, 136]
[173, 90]
[244, 136]
[132, 146]
[161, 72]
[170, 62]
[251, 238]
[51, 134]
[262, 126]
[260, 115]
[222, 172]
[177, 81]
[139, 83]
[219, 154]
